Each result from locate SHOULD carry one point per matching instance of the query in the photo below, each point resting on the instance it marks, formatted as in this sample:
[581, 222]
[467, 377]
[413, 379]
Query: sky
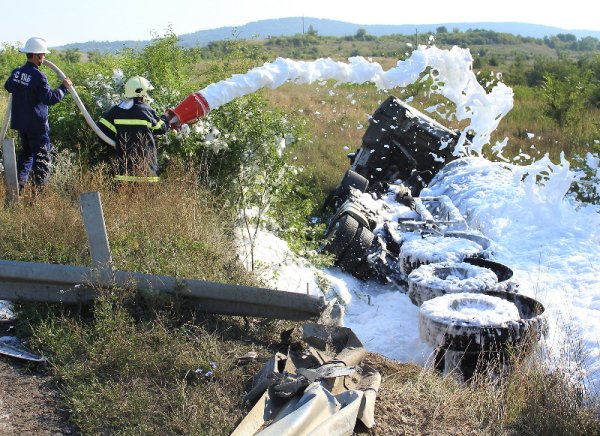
[69, 21]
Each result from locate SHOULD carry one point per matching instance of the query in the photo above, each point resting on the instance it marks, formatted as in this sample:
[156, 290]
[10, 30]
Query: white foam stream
[450, 70]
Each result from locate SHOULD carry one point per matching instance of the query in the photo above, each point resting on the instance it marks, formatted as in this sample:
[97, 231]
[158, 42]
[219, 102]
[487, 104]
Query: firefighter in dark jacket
[31, 96]
[133, 125]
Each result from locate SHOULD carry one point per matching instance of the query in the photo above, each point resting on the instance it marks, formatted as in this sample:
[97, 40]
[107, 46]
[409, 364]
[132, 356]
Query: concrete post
[6, 121]
[95, 227]
[10, 171]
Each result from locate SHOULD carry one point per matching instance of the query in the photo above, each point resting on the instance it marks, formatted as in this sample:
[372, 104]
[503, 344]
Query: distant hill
[297, 25]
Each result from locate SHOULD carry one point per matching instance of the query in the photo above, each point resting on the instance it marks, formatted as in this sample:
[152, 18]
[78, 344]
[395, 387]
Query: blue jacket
[31, 96]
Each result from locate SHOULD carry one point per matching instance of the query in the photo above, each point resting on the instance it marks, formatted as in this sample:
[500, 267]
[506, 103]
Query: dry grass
[144, 369]
[417, 401]
[530, 398]
[128, 364]
[176, 228]
[46, 228]
[335, 119]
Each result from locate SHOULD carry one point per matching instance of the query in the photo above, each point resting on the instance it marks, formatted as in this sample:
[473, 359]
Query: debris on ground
[11, 346]
[322, 383]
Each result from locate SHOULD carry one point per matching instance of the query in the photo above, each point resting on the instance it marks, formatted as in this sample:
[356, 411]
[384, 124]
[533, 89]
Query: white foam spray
[450, 70]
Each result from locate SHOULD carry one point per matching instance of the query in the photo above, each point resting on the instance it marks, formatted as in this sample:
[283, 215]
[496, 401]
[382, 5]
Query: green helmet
[137, 86]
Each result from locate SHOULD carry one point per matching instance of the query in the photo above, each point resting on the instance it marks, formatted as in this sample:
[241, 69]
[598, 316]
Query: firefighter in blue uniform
[133, 124]
[31, 96]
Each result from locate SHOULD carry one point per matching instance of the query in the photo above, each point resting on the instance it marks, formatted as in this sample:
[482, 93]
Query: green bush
[566, 96]
[238, 148]
[10, 58]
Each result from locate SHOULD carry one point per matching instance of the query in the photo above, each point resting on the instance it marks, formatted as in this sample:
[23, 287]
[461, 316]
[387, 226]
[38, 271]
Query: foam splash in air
[450, 71]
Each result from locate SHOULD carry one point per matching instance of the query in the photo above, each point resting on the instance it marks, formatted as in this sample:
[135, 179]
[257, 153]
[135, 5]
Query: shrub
[10, 58]
[566, 96]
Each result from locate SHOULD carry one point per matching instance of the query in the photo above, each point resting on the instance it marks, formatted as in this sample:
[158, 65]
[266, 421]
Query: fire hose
[188, 111]
[82, 109]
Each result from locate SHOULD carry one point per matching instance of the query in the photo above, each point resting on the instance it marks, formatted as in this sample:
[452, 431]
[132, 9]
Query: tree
[566, 97]
[361, 34]
[71, 55]
[588, 44]
[566, 37]
[441, 29]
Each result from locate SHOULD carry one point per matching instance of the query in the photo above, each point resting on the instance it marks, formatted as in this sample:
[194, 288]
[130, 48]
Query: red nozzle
[188, 111]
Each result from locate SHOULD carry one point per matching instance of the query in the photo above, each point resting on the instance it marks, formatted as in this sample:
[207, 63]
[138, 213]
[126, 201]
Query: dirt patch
[28, 402]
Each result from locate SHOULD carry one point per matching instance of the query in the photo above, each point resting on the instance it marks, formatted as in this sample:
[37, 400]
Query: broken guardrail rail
[53, 283]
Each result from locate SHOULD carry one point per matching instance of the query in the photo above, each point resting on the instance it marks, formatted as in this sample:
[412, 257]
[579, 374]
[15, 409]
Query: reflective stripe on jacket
[137, 179]
[133, 131]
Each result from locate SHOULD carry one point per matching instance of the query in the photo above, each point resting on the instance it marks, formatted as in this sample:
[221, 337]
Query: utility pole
[303, 24]
[416, 38]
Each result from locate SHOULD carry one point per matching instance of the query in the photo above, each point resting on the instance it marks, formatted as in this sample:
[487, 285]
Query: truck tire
[341, 192]
[477, 237]
[508, 330]
[415, 252]
[437, 279]
[350, 179]
[506, 281]
[354, 259]
[340, 236]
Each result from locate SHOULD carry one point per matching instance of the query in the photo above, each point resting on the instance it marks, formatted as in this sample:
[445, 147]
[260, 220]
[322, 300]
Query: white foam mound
[6, 310]
[454, 277]
[470, 310]
[439, 249]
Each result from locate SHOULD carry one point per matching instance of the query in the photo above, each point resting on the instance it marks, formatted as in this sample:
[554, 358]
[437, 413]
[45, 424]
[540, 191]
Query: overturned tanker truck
[379, 227]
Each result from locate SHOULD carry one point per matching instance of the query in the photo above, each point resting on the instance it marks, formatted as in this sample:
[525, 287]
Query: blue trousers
[34, 157]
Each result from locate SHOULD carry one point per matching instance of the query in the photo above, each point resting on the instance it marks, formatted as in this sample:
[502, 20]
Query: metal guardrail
[40, 282]
[51, 283]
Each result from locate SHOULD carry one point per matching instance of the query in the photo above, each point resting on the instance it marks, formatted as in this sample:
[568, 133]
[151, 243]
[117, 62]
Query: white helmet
[137, 86]
[35, 45]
